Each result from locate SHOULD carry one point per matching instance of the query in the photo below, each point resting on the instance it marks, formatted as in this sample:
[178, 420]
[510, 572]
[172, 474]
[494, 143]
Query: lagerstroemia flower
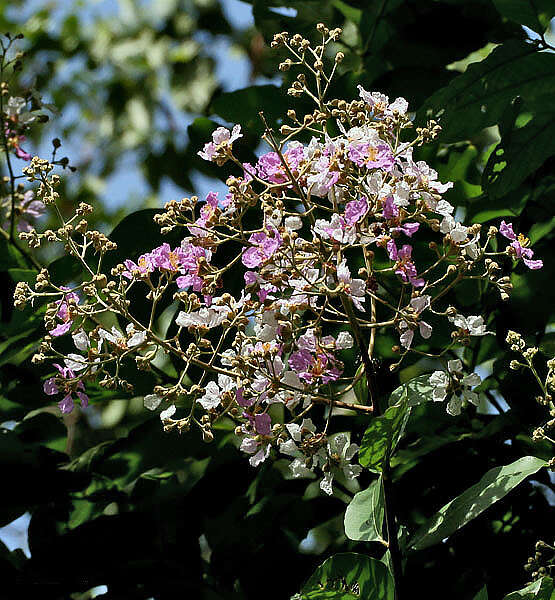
[263, 248]
[418, 304]
[518, 246]
[338, 456]
[309, 229]
[64, 314]
[222, 140]
[55, 385]
[405, 268]
[460, 385]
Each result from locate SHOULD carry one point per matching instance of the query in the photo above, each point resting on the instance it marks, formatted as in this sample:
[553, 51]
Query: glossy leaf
[415, 391]
[347, 577]
[541, 589]
[479, 97]
[493, 486]
[382, 436]
[482, 594]
[523, 153]
[244, 105]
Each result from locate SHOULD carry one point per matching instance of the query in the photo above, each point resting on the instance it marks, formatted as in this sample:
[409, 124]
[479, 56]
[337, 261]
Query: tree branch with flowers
[340, 239]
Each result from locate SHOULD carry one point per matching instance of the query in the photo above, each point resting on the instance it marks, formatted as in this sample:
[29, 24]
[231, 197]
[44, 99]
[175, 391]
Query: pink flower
[144, 265]
[52, 386]
[372, 157]
[313, 366]
[263, 247]
[263, 424]
[20, 153]
[166, 259]
[519, 246]
[270, 167]
[409, 229]
[222, 139]
[390, 209]
[355, 210]
[405, 268]
[64, 314]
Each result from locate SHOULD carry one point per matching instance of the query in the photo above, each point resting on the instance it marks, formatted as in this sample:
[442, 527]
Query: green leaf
[365, 514]
[542, 589]
[375, 28]
[482, 594]
[349, 12]
[493, 486]
[479, 97]
[535, 14]
[349, 576]
[382, 436]
[243, 106]
[415, 391]
[523, 153]
[510, 205]
[540, 230]
[361, 386]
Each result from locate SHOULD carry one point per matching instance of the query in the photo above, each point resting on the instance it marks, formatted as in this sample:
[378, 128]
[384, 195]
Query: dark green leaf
[361, 386]
[535, 14]
[244, 105]
[493, 486]
[382, 436]
[349, 12]
[479, 97]
[482, 594]
[350, 576]
[542, 589]
[516, 158]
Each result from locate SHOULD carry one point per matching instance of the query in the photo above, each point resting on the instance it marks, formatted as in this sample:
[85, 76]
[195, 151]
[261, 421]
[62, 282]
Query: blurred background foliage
[117, 508]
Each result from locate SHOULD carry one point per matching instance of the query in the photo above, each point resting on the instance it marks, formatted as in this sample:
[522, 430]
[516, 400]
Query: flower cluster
[546, 384]
[325, 243]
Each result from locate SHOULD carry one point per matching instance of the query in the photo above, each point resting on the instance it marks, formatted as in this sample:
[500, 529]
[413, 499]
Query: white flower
[266, 328]
[113, 336]
[293, 223]
[455, 366]
[472, 249]
[472, 325]
[168, 413]
[454, 406]
[152, 401]
[299, 469]
[344, 340]
[136, 339]
[211, 397]
[207, 317]
[443, 208]
[355, 288]
[339, 453]
[456, 230]
[81, 341]
[76, 362]
[260, 456]
[399, 105]
[440, 382]
[419, 304]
